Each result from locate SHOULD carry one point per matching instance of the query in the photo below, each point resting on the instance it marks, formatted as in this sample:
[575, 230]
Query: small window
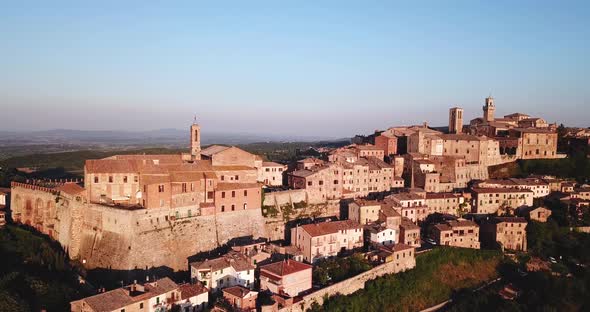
[125, 179]
[222, 194]
[245, 192]
[110, 179]
[136, 179]
[237, 177]
[233, 193]
[95, 179]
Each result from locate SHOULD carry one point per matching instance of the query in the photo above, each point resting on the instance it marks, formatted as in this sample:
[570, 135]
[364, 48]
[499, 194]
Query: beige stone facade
[457, 233]
[508, 232]
[342, 179]
[288, 278]
[160, 295]
[490, 200]
[326, 239]
[539, 187]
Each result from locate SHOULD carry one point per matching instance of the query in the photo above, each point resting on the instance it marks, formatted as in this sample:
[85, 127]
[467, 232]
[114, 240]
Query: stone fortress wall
[107, 237]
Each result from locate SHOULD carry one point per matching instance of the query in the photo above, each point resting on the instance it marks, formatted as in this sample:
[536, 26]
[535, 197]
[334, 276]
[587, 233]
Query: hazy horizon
[334, 69]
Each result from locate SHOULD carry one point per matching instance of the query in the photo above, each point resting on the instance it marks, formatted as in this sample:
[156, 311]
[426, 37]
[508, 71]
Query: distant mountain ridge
[151, 137]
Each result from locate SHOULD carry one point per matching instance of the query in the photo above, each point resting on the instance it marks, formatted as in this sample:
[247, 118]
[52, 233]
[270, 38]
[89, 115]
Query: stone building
[271, 173]
[378, 234]
[364, 211]
[160, 295]
[287, 278]
[148, 210]
[508, 232]
[490, 200]
[446, 203]
[457, 233]
[228, 270]
[539, 214]
[409, 233]
[539, 187]
[456, 120]
[519, 135]
[343, 179]
[240, 298]
[326, 239]
[402, 256]
[387, 143]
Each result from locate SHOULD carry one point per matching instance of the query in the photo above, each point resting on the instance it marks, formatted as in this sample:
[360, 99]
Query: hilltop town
[244, 228]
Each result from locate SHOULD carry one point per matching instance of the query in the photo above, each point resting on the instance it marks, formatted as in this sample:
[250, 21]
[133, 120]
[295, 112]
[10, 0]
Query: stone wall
[121, 239]
[345, 287]
[143, 239]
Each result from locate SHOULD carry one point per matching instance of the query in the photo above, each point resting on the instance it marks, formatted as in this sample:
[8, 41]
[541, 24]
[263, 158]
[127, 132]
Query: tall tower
[456, 120]
[489, 109]
[195, 140]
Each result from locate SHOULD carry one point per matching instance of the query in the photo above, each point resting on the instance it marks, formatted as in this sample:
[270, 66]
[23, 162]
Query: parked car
[430, 241]
[552, 260]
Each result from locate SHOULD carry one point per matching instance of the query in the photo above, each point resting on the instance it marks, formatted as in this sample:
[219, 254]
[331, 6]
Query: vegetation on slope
[564, 289]
[438, 274]
[34, 273]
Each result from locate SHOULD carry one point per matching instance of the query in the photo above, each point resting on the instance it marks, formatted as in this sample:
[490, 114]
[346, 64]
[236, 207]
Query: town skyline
[251, 67]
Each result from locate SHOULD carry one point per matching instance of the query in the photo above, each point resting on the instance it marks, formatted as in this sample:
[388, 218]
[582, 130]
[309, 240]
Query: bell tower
[489, 109]
[195, 140]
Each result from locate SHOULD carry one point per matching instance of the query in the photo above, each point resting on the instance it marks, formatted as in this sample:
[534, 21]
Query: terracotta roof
[368, 147]
[111, 166]
[271, 164]
[401, 247]
[213, 149]
[325, 228]
[71, 188]
[442, 195]
[186, 176]
[461, 137]
[407, 224]
[154, 179]
[235, 186]
[120, 297]
[283, 268]
[232, 168]
[509, 220]
[443, 227]
[389, 211]
[461, 223]
[165, 158]
[499, 190]
[239, 291]
[303, 173]
[312, 160]
[516, 115]
[533, 130]
[405, 196]
[234, 259]
[191, 290]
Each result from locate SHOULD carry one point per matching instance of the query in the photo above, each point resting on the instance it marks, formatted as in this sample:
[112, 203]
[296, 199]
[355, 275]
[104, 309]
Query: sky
[331, 68]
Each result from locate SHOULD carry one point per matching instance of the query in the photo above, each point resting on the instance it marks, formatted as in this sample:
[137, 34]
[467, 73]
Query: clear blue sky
[298, 67]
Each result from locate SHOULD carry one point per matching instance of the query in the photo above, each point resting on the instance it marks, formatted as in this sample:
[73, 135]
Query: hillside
[438, 274]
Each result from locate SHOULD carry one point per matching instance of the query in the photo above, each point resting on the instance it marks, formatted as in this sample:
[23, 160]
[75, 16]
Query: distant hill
[161, 136]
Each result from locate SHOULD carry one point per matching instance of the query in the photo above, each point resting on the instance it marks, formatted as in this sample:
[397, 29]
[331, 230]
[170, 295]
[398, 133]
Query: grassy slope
[34, 273]
[438, 274]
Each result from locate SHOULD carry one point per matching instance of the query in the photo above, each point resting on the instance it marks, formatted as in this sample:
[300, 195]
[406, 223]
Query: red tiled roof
[236, 186]
[111, 166]
[499, 190]
[283, 268]
[325, 228]
[191, 290]
[71, 188]
[238, 291]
